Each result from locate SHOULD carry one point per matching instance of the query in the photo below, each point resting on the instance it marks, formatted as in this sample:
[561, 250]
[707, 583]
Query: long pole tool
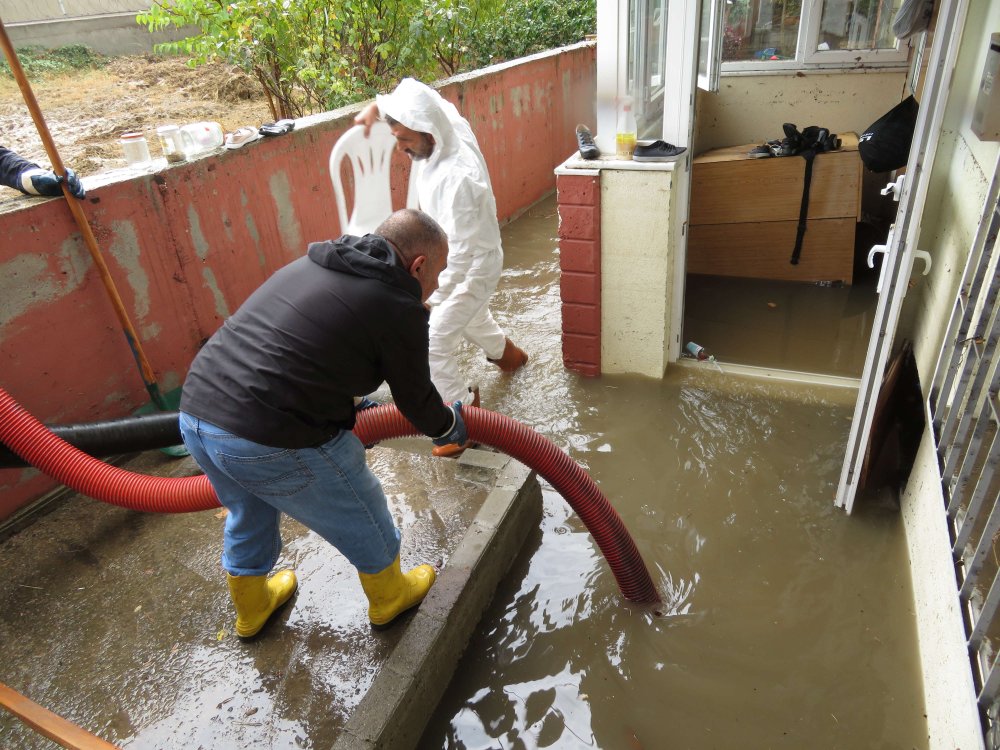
[81, 220]
[50, 725]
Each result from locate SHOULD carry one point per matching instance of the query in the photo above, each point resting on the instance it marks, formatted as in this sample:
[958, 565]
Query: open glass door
[710, 44]
[899, 258]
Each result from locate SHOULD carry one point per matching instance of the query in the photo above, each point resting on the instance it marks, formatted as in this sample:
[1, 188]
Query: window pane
[761, 30]
[647, 56]
[857, 24]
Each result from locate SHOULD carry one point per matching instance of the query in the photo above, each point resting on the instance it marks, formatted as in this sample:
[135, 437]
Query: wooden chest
[745, 212]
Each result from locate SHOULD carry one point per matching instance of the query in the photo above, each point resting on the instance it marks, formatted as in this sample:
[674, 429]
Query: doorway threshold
[767, 373]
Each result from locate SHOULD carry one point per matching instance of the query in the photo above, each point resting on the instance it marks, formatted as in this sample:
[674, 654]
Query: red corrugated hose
[37, 445]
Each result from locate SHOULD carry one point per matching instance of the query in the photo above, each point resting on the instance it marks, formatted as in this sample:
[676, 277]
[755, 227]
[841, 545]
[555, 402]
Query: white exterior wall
[637, 249]
[963, 170]
[20, 11]
[106, 26]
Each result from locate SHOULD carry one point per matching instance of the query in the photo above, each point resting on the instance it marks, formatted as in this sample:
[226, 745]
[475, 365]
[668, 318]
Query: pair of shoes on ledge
[646, 152]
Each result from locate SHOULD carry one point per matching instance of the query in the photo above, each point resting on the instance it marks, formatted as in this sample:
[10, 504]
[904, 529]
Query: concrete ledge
[395, 710]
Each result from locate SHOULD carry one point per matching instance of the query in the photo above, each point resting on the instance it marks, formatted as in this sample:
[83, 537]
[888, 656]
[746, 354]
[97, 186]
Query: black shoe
[277, 128]
[588, 149]
[792, 143]
[764, 151]
[657, 151]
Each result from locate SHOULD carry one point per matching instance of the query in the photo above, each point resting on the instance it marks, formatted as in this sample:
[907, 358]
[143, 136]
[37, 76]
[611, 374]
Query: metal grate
[963, 407]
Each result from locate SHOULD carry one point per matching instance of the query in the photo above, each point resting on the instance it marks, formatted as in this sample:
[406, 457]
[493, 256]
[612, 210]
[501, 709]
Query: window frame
[807, 57]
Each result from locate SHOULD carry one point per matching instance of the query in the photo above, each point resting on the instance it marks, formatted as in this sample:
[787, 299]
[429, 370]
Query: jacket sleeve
[11, 165]
[407, 371]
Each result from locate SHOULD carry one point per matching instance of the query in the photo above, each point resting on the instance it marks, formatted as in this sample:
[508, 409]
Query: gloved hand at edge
[363, 402]
[457, 433]
[38, 181]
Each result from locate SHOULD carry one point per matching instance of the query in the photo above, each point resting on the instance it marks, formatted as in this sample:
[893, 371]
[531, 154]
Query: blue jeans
[329, 489]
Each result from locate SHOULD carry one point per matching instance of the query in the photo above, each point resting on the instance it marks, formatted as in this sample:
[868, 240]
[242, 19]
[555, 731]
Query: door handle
[926, 258]
[894, 187]
[884, 250]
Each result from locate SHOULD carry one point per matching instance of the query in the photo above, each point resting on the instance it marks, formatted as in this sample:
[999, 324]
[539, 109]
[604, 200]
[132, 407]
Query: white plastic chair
[371, 163]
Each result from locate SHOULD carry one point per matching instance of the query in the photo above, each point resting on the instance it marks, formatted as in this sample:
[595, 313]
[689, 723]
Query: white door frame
[898, 261]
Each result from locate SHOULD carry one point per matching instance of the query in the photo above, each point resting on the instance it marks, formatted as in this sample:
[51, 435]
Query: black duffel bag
[885, 145]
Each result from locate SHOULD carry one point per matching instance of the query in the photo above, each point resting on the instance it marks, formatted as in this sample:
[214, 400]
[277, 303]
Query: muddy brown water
[784, 623]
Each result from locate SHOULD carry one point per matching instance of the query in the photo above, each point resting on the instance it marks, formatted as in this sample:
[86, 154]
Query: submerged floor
[786, 623]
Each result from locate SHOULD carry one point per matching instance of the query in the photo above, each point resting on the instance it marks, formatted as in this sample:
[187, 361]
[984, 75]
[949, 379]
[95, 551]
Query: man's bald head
[421, 244]
[413, 233]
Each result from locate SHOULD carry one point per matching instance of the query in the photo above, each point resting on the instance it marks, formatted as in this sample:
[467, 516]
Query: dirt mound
[87, 112]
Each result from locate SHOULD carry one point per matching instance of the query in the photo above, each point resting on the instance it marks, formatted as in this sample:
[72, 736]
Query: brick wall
[579, 198]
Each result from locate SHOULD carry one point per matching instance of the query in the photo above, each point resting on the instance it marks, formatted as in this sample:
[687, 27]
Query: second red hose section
[37, 445]
[563, 473]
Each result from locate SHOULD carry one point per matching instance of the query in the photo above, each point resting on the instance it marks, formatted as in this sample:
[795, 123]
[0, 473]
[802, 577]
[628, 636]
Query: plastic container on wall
[135, 147]
[625, 137]
[170, 143]
[199, 137]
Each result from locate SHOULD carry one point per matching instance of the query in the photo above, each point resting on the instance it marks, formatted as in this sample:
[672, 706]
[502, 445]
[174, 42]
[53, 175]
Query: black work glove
[38, 181]
[457, 434]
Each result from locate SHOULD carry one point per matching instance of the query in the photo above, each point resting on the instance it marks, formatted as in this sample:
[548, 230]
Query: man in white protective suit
[453, 186]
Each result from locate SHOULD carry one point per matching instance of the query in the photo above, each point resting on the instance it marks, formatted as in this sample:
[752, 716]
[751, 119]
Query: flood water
[784, 623]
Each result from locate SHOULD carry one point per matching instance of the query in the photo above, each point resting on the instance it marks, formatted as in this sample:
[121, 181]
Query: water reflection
[784, 623]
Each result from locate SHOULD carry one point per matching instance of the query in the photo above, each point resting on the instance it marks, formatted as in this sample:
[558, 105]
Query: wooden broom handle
[46, 723]
[74, 206]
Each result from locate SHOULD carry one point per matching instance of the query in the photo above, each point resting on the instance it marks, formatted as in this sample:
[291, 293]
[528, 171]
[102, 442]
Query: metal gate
[963, 408]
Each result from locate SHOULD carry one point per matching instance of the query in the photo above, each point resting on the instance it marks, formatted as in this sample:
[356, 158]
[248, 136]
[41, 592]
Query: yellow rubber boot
[391, 592]
[256, 598]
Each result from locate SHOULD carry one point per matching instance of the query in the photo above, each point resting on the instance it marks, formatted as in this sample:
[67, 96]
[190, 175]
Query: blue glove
[37, 181]
[363, 402]
[457, 435]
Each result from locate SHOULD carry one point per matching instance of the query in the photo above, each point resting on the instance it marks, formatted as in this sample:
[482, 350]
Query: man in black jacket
[19, 173]
[267, 410]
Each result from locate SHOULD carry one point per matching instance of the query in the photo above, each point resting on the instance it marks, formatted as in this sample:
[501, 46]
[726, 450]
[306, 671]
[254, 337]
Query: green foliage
[446, 29]
[524, 27]
[38, 61]
[316, 55]
[308, 55]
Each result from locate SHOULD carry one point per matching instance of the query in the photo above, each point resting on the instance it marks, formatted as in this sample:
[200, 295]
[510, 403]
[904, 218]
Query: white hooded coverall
[453, 186]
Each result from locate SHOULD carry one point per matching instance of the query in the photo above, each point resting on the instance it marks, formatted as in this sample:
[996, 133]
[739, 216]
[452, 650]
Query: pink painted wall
[186, 245]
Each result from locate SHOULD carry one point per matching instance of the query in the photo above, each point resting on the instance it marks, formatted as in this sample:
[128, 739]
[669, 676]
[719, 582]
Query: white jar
[135, 147]
[170, 142]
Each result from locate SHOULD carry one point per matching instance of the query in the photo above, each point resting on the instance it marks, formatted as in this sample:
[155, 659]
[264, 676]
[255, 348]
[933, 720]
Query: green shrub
[309, 55]
[524, 27]
[315, 55]
[38, 61]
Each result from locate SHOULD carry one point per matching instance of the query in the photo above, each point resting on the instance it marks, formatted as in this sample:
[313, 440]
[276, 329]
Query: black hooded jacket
[11, 166]
[334, 324]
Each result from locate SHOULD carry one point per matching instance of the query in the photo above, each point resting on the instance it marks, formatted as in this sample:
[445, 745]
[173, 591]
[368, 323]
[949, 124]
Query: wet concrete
[120, 621]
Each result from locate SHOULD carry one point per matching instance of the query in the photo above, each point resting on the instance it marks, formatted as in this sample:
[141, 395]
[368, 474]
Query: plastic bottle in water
[697, 351]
